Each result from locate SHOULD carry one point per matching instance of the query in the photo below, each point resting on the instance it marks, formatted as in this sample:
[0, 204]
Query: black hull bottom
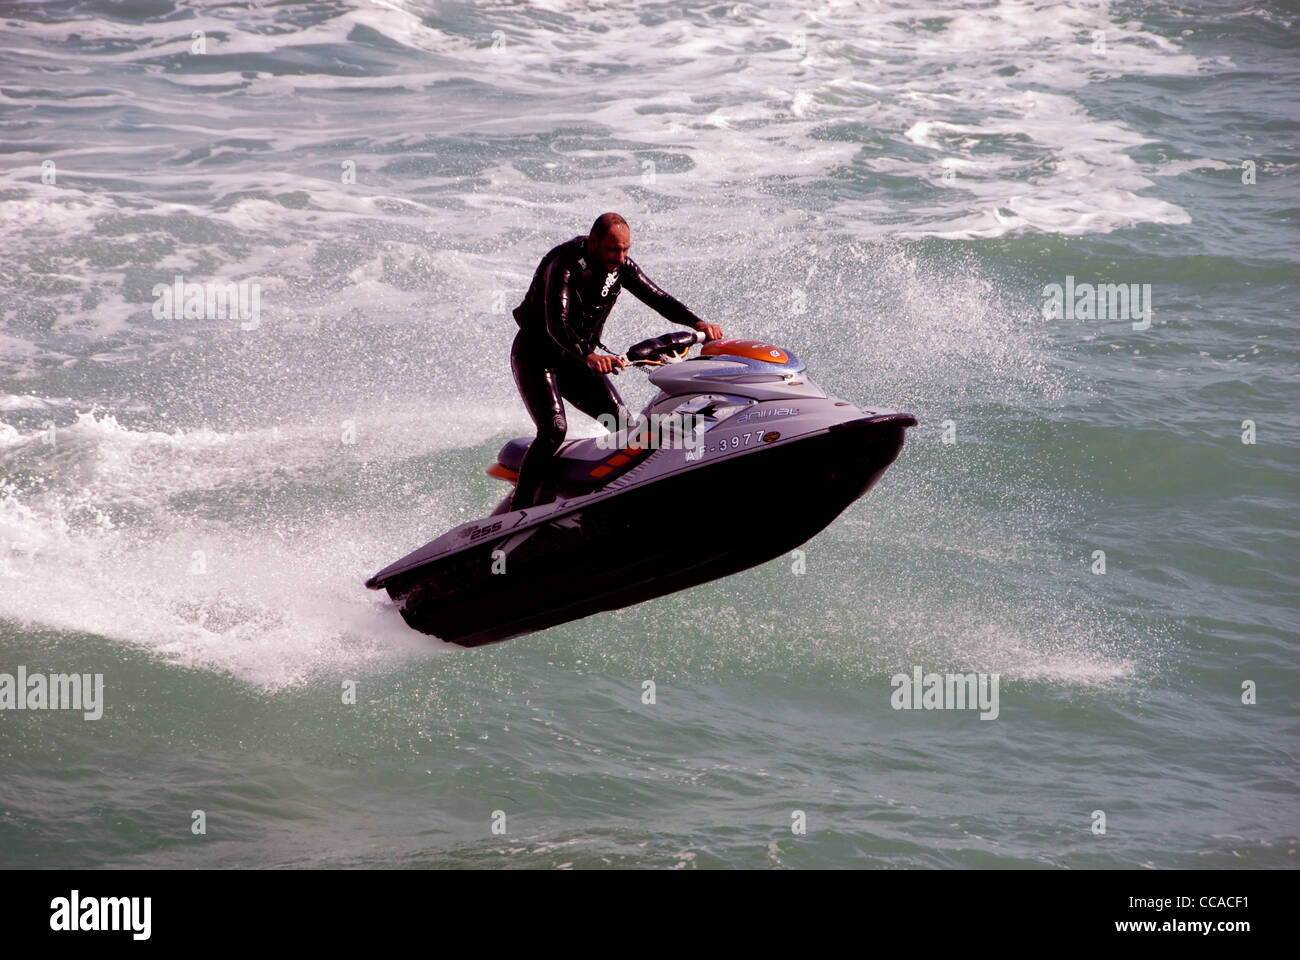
[645, 543]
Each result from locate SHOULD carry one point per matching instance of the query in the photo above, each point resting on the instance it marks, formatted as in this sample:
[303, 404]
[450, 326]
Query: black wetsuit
[560, 323]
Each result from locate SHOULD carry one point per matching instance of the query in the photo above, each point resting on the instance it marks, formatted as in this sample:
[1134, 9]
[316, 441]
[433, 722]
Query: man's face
[613, 247]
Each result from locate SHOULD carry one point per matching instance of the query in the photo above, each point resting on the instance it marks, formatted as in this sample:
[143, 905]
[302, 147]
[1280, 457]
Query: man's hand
[604, 363]
[711, 330]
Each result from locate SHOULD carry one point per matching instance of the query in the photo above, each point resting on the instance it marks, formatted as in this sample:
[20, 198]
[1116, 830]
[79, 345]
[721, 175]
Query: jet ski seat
[578, 463]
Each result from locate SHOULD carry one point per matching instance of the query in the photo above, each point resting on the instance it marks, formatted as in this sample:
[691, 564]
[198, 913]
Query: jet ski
[739, 458]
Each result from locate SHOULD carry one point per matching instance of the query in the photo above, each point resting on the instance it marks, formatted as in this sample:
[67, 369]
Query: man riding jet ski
[622, 519]
[560, 322]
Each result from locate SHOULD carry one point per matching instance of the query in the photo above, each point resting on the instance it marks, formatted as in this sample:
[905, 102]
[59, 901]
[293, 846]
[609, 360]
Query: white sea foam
[741, 108]
[116, 541]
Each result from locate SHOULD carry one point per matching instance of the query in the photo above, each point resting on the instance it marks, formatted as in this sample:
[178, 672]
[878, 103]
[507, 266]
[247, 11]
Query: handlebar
[669, 348]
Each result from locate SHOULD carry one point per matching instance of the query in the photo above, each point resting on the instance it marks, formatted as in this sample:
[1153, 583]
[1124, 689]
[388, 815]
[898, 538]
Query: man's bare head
[609, 241]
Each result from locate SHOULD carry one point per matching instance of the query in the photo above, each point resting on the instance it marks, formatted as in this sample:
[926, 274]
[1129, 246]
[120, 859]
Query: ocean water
[190, 506]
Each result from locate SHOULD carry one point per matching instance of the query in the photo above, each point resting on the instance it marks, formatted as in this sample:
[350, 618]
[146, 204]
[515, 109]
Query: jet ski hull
[645, 540]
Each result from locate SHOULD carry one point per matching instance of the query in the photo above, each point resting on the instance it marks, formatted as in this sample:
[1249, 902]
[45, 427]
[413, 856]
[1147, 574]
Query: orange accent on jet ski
[502, 473]
[752, 349]
[626, 455]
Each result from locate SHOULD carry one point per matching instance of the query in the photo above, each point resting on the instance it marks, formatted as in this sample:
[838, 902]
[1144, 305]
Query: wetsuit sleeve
[649, 293]
[560, 305]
